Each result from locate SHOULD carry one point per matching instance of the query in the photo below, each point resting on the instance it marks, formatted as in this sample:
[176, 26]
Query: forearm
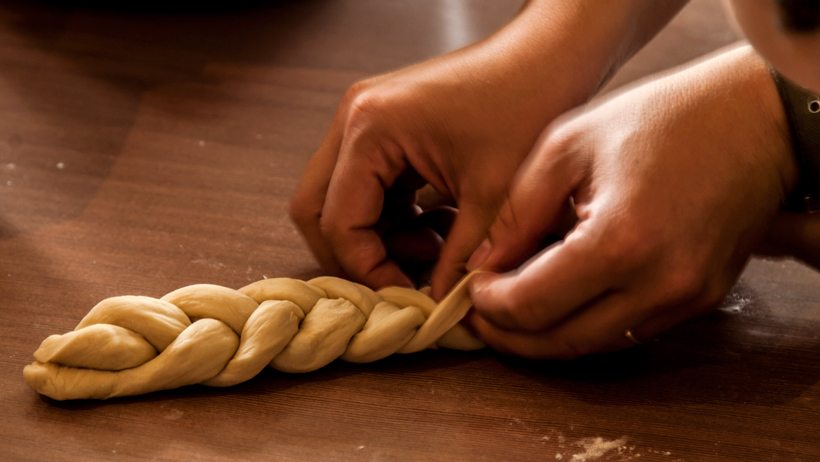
[555, 55]
[571, 48]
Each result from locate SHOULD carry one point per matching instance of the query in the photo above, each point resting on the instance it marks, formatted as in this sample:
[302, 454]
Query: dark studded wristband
[803, 114]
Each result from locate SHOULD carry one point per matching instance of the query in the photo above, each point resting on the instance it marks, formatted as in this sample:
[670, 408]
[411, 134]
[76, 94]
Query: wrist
[733, 94]
[802, 111]
[771, 132]
[574, 48]
[556, 55]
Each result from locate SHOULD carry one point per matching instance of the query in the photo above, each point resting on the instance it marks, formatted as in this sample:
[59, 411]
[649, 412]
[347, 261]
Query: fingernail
[479, 256]
[478, 284]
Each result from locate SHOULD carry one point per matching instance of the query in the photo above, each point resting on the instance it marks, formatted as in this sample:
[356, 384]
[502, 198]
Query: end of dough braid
[217, 336]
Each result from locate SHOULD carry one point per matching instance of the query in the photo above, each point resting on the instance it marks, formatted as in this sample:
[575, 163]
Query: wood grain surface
[143, 149]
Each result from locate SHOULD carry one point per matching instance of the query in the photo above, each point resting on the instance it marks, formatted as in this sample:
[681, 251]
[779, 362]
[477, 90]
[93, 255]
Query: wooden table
[142, 151]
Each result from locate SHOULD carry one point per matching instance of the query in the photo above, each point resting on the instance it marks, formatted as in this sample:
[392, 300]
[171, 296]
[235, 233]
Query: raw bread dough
[220, 337]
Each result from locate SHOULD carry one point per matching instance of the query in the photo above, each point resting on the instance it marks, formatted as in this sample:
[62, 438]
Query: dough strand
[216, 336]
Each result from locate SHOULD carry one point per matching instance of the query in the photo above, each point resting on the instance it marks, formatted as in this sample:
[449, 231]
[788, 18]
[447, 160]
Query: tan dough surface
[216, 336]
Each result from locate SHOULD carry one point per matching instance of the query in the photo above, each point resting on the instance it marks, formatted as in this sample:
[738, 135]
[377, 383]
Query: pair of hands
[673, 183]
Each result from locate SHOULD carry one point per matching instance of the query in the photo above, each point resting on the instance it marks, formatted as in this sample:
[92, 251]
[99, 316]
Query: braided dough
[220, 337]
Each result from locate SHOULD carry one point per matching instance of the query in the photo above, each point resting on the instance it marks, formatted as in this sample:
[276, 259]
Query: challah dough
[220, 337]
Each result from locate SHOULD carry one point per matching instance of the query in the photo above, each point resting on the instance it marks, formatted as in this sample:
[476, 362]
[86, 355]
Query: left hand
[674, 184]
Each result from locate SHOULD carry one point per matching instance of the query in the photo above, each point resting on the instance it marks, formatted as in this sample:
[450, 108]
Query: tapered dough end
[199, 353]
[99, 346]
[60, 382]
[446, 315]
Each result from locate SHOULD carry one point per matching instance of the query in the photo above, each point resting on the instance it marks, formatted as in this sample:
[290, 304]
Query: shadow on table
[733, 357]
[739, 353]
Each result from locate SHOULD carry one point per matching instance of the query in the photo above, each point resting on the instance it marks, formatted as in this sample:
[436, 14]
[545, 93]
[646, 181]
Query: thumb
[537, 205]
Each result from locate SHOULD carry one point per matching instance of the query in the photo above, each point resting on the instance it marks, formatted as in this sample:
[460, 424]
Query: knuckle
[366, 107]
[504, 308]
[506, 222]
[692, 282]
[515, 311]
[628, 248]
[683, 283]
[563, 143]
[528, 315]
[300, 212]
[502, 312]
[558, 138]
[328, 227]
[363, 105]
[355, 90]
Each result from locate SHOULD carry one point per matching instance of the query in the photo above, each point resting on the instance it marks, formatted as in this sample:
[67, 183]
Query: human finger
[537, 205]
[599, 328]
[308, 200]
[551, 286]
[353, 208]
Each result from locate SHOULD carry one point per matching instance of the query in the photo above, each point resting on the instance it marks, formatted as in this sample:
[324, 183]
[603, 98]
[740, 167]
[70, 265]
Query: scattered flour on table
[596, 448]
[209, 262]
[174, 414]
[736, 301]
